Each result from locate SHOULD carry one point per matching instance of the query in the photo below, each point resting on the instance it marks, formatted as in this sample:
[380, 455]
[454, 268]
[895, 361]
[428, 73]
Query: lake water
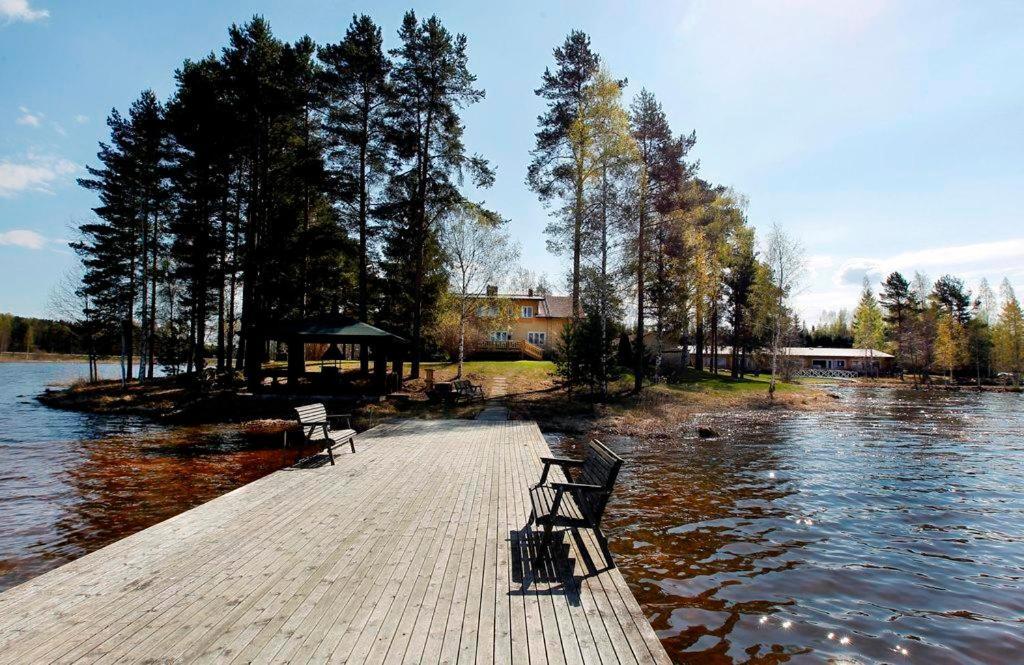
[889, 531]
[892, 531]
[71, 483]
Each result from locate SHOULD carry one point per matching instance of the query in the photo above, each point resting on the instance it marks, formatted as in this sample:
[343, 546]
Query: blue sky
[883, 135]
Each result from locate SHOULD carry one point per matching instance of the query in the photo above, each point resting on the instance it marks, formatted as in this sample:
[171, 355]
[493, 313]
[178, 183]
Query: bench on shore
[316, 428]
[579, 502]
[467, 390]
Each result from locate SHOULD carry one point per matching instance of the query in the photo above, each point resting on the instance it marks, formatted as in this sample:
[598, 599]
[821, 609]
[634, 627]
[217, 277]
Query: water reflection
[71, 483]
[887, 532]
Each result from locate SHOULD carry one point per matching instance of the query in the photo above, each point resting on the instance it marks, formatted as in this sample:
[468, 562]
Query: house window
[500, 336]
[537, 338]
[527, 312]
[489, 311]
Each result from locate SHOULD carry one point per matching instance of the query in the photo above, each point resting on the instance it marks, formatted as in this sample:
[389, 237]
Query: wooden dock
[414, 549]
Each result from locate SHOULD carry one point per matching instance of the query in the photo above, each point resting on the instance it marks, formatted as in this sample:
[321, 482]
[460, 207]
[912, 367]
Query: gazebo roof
[340, 329]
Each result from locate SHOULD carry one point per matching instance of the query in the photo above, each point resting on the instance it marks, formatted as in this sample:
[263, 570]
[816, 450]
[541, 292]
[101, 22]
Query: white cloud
[853, 271]
[59, 128]
[28, 117]
[20, 10]
[968, 260]
[22, 238]
[81, 119]
[35, 173]
[836, 285]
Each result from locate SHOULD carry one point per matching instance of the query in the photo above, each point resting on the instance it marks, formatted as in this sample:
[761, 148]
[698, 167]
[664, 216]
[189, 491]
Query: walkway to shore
[495, 408]
[414, 549]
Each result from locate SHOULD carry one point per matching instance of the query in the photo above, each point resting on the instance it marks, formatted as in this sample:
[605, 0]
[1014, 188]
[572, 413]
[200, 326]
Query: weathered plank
[414, 549]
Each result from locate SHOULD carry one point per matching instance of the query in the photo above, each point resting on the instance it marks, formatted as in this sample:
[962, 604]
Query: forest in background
[288, 180]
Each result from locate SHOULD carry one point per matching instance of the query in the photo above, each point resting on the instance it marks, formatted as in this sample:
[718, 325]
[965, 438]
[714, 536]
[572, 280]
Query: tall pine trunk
[364, 351]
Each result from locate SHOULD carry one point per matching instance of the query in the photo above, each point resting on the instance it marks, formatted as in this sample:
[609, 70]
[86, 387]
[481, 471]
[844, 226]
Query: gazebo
[335, 330]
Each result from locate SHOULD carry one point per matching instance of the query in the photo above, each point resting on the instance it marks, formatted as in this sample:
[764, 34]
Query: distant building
[862, 361]
[537, 326]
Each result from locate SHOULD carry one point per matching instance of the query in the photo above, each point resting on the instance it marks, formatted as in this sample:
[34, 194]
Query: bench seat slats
[543, 498]
[312, 419]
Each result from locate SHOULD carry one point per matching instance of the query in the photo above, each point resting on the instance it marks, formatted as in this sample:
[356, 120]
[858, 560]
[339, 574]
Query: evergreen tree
[357, 91]
[899, 305]
[557, 172]
[661, 171]
[950, 295]
[741, 272]
[868, 324]
[197, 117]
[432, 84]
[120, 251]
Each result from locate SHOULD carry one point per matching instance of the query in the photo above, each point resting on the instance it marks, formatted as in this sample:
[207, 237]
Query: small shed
[335, 330]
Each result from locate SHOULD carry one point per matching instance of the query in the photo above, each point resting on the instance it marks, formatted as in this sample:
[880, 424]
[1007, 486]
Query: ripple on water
[890, 532]
[71, 483]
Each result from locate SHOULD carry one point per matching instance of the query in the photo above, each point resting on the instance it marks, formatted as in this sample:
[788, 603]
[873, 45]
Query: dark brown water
[890, 533]
[71, 483]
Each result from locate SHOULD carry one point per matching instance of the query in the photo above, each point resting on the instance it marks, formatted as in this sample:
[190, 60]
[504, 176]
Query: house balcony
[512, 348]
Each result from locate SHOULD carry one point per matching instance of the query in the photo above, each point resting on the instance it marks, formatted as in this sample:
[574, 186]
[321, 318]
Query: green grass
[708, 382]
[525, 369]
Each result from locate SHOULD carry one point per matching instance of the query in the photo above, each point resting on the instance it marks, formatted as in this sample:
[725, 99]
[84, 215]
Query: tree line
[280, 180]
[943, 327]
[26, 334]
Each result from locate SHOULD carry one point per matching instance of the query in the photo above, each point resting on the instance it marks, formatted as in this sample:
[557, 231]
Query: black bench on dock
[316, 427]
[579, 502]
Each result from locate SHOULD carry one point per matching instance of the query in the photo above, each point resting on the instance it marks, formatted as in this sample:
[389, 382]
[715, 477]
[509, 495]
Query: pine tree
[357, 91]
[900, 305]
[432, 84]
[557, 172]
[741, 271]
[950, 295]
[868, 325]
[197, 117]
[661, 171]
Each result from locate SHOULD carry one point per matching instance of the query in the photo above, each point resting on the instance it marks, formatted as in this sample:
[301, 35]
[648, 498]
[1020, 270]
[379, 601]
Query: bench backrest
[600, 467]
[312, 413]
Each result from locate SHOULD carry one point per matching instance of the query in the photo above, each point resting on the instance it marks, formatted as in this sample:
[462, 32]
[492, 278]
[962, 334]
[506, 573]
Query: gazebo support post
[364, 359]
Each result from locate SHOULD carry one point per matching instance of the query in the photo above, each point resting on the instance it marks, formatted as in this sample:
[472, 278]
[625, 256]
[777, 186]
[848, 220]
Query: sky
[884, 136]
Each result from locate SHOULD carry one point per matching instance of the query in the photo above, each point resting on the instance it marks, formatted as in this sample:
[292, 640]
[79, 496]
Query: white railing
[502, 345]
[822, 373]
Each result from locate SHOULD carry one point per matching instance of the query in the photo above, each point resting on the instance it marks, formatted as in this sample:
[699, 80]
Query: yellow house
[536, 327]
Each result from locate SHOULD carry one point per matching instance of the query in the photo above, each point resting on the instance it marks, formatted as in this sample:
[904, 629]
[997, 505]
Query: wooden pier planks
[413, 550]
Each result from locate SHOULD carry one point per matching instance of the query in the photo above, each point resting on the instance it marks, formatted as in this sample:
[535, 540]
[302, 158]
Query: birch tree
[786, 266]
[477, 253]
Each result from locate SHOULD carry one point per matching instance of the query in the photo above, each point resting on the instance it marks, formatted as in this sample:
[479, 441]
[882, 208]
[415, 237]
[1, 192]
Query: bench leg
[330, 452]
[352, 443]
